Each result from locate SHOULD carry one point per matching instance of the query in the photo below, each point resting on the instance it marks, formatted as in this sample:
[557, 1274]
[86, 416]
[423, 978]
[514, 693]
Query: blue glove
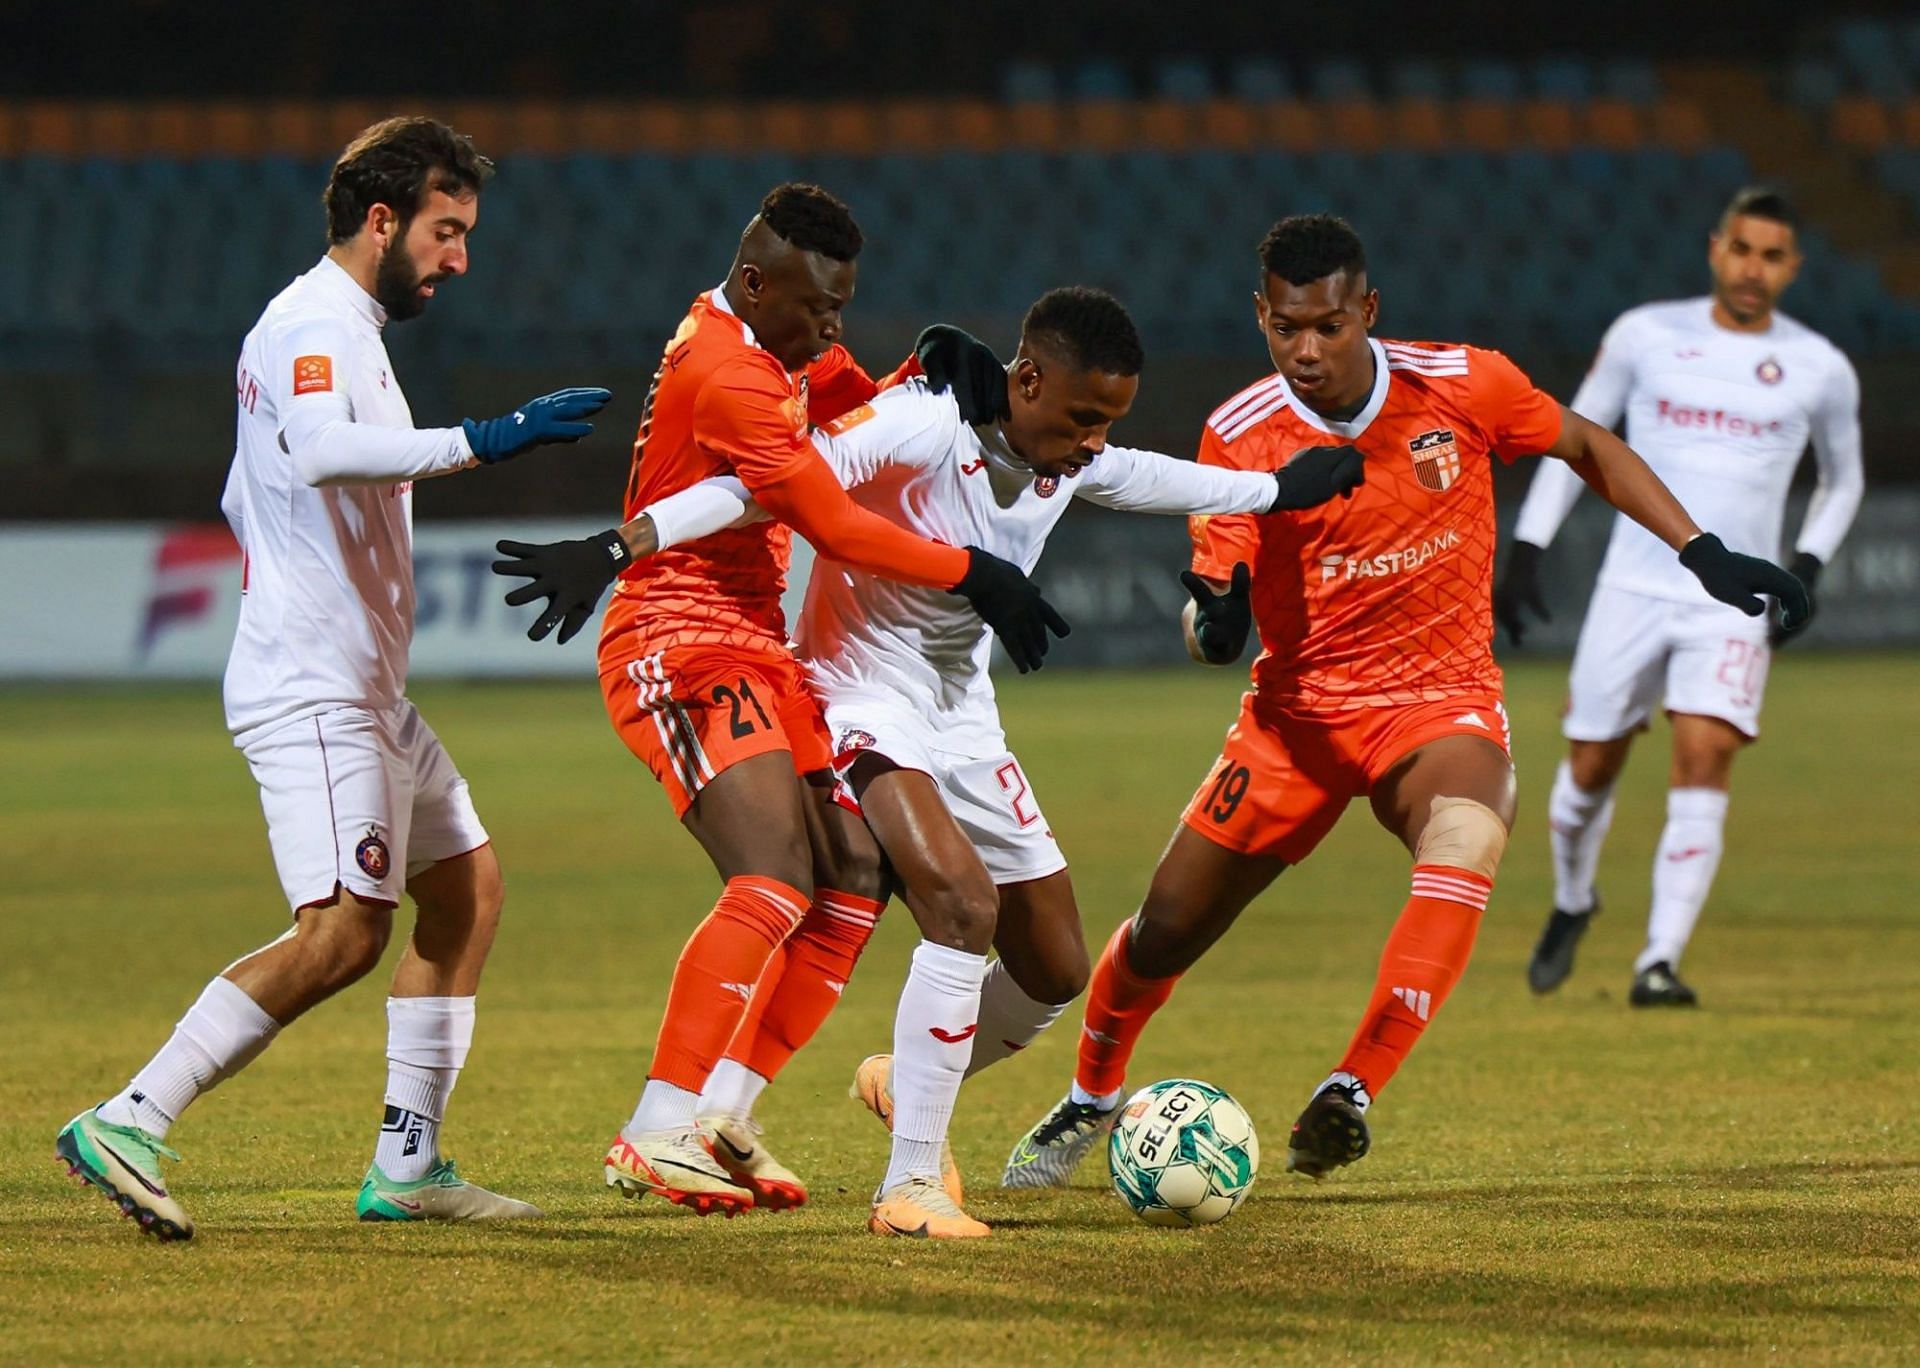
[550, 418]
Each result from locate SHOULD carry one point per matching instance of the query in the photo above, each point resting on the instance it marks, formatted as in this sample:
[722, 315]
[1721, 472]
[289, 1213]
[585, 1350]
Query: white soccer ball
[1183, 1153]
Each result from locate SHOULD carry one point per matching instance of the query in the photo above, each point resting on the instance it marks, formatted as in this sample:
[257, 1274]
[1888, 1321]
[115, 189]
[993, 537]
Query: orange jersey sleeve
[810, 500]
[837, 384]
[1518, 418]
[1221, 540]
[747, 416]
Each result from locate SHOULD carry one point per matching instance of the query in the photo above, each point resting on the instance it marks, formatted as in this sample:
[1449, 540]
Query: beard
[397, 282]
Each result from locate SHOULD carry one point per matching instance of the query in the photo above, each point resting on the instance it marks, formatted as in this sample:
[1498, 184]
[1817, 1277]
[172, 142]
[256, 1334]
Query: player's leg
[796, 992]
[955, 904]
[1450, 800]
[1042, 966]
[1258, 810]
[1615, 682]
[327, 789]
[1043, 956]
[711, 724]
[453, 877]
[1716, 679]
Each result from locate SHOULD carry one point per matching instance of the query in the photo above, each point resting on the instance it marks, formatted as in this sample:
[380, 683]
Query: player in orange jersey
[698, 675]
[1376, 675]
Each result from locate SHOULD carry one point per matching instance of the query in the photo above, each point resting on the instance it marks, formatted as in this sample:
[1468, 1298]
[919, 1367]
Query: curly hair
[1088, 328]
[809, 218]
[397, 162]
[1309, 247]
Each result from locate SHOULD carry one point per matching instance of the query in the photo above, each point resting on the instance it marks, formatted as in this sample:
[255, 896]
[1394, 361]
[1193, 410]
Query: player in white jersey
[361, 800]
[901, 674]
[1721, 395]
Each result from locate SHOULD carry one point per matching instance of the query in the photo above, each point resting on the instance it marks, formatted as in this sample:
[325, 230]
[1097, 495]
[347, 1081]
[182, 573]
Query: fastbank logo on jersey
[1337, 566]
[1716, 420]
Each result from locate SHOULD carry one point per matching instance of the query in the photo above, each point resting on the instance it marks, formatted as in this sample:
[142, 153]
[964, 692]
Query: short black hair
[1309, 247]
[807, 217]
[1761, 201]
[1087, 328]
[397, 162]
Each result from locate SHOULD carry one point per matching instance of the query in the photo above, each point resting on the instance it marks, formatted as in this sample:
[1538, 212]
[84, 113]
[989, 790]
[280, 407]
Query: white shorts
[988, 795]
[1637, 651]
[360, 799]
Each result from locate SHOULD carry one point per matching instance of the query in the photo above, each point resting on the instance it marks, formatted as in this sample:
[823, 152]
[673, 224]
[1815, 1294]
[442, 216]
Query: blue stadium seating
[588, 255]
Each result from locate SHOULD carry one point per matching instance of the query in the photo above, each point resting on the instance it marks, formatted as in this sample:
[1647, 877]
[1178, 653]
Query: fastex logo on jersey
[1436, 459]
[1335, 565]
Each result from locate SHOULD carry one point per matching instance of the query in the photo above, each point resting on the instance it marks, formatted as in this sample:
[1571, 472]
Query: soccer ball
[1183, 1153]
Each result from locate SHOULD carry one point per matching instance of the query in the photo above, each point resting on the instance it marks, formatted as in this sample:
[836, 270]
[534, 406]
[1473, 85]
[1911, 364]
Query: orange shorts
[692, 710]
[1283, 779]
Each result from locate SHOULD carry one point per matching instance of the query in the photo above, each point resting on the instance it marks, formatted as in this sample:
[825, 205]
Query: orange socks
[1424, 957]
[1119, 1005]
[715, 977]
[798, 993]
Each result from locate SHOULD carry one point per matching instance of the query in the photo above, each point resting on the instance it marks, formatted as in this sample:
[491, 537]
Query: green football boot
[443, 1195]
[124, 1163]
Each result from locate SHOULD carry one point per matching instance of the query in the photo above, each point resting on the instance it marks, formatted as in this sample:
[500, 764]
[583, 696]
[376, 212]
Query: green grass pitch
[1550, 1179]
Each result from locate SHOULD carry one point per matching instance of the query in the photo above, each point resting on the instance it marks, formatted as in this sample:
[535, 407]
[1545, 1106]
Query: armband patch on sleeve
[312, 374]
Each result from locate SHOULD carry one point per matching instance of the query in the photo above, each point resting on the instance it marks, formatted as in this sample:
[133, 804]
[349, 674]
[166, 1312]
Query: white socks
[220, 1035]
[1683, 870]
[730, 1090]
[1104, 1101]
[1009, 1019]
[427, 1043]
[1579, 820]
[663, 1107]
[933, 1038]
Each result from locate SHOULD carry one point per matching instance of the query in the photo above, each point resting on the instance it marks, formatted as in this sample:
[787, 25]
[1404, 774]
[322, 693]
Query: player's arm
[328, 447]
[1615, 472]
[1218, 616]
[1842, 482]
[1135, 481]
[1555, 489]
[858, 446]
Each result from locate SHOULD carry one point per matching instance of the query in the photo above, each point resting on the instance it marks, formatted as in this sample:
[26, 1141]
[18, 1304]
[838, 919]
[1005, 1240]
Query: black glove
[1740, 580]
[1010, 603]
[550, 418]
[569, 575]
[959, 361]
[1520, 588]
[1805, 568]
[1221, 621]
[1317, 474]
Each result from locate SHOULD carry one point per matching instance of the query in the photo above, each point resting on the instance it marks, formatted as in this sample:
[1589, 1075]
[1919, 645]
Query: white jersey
[320, 499]
[909, 457]
[1722, 417]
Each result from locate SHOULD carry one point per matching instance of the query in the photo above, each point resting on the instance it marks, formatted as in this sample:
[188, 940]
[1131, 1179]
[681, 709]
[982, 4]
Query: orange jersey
[1385, 598]
[721, 404]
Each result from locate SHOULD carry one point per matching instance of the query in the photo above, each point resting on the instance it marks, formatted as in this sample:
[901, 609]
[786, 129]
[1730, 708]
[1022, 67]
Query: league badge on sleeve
[312, 374]
[1436, 459]
[371, 855]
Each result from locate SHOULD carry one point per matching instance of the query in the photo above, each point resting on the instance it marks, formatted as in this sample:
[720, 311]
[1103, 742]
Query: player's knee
[1462, 833]
[1594, 765]
[1059, 980]
[345, 941]
[963, 912]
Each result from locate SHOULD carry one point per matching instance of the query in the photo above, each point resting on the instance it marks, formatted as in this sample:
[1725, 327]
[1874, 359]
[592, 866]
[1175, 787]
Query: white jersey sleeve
[857, 446]
[702, 509]
[1842, 478]
[907, 426]
[317, 427]
[1602, 399]
[1135, 481]
[1551, 496]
